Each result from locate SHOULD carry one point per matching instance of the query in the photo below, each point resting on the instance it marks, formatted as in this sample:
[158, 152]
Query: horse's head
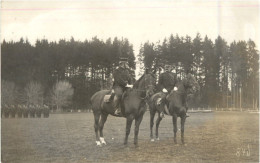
[150, 82]
[147, 83]
[192, 84]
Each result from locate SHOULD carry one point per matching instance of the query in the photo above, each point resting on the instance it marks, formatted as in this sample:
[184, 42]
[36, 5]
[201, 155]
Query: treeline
[228, 74]
[87, 65]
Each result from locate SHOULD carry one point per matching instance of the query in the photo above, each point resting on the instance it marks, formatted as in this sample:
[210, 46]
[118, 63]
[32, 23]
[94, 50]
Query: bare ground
[210, 137]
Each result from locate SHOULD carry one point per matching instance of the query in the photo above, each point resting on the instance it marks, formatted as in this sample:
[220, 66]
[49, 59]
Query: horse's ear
[146, 71]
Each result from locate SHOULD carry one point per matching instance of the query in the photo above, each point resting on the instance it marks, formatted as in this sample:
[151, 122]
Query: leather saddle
[107, 97]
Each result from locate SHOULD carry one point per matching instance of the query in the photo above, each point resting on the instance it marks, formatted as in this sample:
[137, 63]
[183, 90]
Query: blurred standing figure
[46, 111]
[7, 111]
[32, 111]
[19, 111]
[122, 80]
[38, 111]
[13, 111]
[25, 111]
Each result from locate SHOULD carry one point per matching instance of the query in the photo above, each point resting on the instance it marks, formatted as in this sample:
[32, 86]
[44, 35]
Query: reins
[145, 87]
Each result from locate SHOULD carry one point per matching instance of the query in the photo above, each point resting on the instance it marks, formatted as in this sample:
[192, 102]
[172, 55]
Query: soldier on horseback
[122, 81]
[167, 80]
[167, 83]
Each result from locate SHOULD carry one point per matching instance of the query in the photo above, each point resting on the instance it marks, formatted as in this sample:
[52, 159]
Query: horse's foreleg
[129, 120]
[157, 125]
[96, 127]
[174, 122]
[183, 118]
[101, 125]
[137, 124]
[152, 113]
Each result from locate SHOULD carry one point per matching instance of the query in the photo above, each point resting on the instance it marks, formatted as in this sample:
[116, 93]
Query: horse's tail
[91, 101]
[97, 99]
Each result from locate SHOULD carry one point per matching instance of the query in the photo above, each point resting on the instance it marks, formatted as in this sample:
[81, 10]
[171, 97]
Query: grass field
[210, 137]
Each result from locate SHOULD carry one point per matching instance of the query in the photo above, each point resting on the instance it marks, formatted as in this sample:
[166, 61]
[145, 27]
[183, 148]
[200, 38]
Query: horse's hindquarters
[97, 99]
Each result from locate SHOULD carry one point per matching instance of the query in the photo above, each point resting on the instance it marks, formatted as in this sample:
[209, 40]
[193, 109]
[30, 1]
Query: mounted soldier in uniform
[122, 81]
[167, 83]
[167, 80]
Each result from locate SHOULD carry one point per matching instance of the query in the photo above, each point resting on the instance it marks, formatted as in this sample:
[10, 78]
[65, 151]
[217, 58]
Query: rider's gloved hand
[175, 88]
[164, 90]
[129, 86]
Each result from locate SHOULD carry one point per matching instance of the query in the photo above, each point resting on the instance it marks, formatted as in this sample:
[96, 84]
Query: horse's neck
[139, 88]
[181, 88]
[139, 85]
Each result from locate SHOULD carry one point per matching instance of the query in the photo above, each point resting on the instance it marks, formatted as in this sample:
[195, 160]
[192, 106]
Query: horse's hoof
[152, 140]
[184, 144]
[177, 144]
[157, 138]
[98, 143]
[102, 140]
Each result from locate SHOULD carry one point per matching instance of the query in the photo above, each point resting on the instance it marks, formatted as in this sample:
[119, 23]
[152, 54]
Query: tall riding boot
[118, 107]
[111, 97]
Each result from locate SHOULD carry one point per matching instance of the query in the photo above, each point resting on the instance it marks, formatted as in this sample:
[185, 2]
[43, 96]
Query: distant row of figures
[24, 111]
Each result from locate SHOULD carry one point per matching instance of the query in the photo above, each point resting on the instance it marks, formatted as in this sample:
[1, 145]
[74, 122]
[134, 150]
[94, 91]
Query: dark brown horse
[176, 102]
[132, 103]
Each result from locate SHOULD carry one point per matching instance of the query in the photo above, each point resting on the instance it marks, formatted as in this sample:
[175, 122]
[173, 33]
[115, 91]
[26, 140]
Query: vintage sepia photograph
[129, 81]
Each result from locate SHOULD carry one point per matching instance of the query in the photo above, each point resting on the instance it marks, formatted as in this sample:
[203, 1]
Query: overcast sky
[139, 20]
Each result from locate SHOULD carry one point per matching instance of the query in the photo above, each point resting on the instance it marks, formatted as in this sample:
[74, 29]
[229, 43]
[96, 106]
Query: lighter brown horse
[133, 106]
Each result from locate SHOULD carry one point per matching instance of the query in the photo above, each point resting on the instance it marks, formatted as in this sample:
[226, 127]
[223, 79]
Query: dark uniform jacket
[167, 80]
[122, 77]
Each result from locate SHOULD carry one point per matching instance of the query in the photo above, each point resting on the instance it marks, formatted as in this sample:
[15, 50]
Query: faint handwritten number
[243, 151]
[238, 152]
[248, 151]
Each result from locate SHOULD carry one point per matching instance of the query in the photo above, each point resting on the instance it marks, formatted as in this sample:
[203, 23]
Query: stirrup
[117, 112]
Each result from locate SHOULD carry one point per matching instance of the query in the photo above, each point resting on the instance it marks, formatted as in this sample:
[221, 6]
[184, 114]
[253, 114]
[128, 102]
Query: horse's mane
[181, 84]
[138, 81]
[136, 84]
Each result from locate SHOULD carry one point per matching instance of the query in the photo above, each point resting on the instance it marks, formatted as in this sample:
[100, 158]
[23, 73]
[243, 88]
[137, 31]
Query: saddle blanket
[106, 98]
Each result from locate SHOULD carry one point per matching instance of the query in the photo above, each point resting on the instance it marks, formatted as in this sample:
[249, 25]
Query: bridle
[146, 87]
[149, 86]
